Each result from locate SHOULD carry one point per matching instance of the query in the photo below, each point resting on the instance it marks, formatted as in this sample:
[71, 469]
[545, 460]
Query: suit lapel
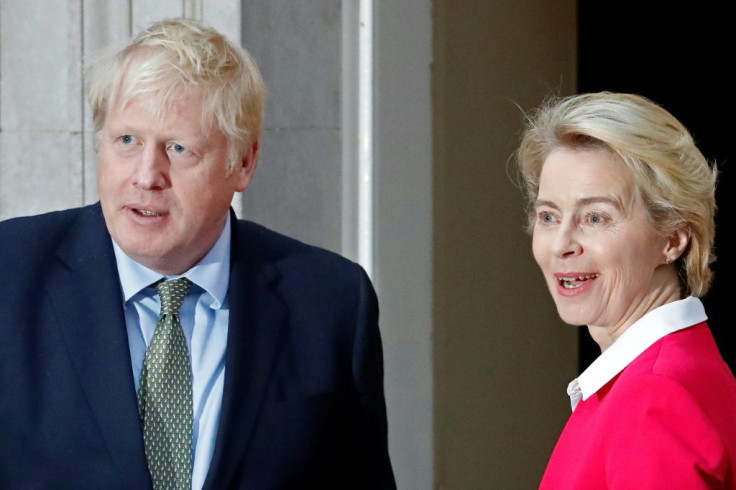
[87, 295]
[257, 323]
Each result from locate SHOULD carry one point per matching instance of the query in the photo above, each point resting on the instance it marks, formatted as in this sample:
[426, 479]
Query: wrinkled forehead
[583, 173]
[161, 100]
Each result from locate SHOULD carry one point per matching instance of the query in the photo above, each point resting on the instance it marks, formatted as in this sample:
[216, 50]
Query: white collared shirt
[205, 308]
[641, 335]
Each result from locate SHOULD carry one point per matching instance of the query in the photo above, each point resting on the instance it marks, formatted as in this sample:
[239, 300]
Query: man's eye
[127, 139]
[178, 148]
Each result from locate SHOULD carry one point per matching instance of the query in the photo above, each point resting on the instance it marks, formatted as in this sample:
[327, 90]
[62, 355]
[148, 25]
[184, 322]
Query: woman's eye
[596, 219]
[545, 217]
[127, 139]
[178, 148]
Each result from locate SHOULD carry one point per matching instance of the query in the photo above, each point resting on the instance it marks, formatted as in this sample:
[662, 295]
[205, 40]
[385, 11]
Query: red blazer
[667, 421]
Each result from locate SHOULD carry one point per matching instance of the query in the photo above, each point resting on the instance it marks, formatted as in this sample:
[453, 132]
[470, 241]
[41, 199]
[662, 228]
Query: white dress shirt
[641, 335]
[204, 319]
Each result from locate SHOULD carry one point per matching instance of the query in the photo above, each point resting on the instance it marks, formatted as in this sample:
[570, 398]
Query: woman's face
[600, 256]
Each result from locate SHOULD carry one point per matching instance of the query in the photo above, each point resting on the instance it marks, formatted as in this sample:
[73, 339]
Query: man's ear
[247, 166]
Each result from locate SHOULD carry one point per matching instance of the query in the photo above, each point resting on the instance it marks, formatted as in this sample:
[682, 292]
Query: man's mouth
[146, 212]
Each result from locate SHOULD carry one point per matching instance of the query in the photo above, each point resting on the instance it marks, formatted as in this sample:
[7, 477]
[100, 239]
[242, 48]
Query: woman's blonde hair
[675, 180]
[175, 55]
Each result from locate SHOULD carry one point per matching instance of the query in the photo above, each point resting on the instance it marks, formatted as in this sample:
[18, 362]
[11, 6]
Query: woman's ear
[676, 245]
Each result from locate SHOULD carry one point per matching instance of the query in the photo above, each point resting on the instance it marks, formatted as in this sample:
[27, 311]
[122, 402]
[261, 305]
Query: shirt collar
[212, 273]
[657, 323]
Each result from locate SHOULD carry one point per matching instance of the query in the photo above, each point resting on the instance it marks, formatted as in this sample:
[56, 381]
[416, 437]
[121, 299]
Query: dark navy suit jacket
[303, 402]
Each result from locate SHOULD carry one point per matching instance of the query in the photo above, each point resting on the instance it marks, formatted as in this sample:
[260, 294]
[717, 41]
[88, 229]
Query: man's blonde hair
[175, 56]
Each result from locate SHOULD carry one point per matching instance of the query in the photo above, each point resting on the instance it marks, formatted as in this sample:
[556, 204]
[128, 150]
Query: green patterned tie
[165, 395]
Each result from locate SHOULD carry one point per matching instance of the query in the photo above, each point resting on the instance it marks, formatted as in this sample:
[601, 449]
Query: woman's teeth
[573, 282]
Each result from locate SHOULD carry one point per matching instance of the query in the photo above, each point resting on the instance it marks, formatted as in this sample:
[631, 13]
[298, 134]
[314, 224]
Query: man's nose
[152, 169]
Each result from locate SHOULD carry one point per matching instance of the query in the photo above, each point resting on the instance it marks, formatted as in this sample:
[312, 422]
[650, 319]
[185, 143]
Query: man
[268, 375]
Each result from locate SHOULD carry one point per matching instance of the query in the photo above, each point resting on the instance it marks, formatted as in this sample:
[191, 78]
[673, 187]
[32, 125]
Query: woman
[622, 207]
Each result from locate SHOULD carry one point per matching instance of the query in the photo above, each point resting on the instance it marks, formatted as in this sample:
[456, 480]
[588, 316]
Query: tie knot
[172, 294]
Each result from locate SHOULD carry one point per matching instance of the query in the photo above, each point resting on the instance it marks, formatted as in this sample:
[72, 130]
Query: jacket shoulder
[46, 222]
[32, 235]
[277, 247]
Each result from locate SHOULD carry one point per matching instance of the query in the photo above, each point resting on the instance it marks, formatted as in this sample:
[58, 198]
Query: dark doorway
[682, 58]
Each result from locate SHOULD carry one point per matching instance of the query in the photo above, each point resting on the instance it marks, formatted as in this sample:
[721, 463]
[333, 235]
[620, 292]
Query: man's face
[164, 184]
